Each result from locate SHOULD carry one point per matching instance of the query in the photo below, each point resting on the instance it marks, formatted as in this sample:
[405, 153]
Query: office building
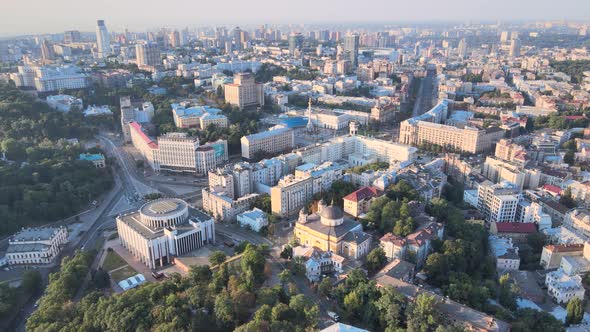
[198, 116]
[33, 246]
[103, 40]
[244, 91]
[134, 112]
[147, 54]
[163, 229]
[267, 143]
[427, 129]
[290, 195]
[351, 48]
[329, 230]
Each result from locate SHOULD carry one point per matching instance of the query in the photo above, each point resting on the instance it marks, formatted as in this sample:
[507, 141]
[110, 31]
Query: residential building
[254, 219]
[147, 54]
[505, 253]
[415, 247]
[33, 246]
[163, 229]
[97, 159]
[359, 201]
[578, 221]
[134, 112]
[517, 231]
[50, 78]
[553, 253]
[244, 91]
[498, 202]
[64, 103]
[267, 142]
[318, 262]
[351, 48]
[329, 231]
[222, 207]
[562, 287]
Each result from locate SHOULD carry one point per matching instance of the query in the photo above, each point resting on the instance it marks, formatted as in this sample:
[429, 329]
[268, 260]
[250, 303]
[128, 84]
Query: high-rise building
[268, 142]
[103, 40]
[515, 47]
[295, 42]
[462, 48]
[72, 36]
[504, 36]
[351, 48]
[244, 91]
[46, 51]
[147, 54]
[174, 37]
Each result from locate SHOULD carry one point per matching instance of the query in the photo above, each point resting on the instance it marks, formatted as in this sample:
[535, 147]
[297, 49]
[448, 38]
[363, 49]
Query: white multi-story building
[46, 79]
[578, 221]
[563, 288]
[130, 112]
[222, 207]
[290, 195]
[198, 116]
[498, 202]
[164, 229]
[64, 103]
[255, 219]
[36, 245]
[95, 110]
[271, 141]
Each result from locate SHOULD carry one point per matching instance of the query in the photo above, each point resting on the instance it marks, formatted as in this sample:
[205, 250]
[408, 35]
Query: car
[157, 275]
[334, 316]
[229, 244]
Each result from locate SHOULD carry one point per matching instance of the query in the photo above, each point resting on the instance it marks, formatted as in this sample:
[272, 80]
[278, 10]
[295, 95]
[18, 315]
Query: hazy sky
[39, 16]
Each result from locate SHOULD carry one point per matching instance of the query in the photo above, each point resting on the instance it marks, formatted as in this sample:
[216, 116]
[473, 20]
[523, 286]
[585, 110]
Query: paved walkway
[132, 261]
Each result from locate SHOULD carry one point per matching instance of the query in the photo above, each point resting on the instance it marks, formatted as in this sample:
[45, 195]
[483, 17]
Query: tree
[423, 317]
[391, 306]
[285, 277]
[32, 281]
[535, 320]
[101, 279]
[567, 199]
[325, 287]
[223, 309]
[200, 274]
[252, 264]
[575, 311]
[507, 293]
[287, 252]
[376, 259]
[217, 257]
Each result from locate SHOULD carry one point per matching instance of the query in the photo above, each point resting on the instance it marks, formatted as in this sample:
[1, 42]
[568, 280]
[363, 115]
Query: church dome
[332, 216]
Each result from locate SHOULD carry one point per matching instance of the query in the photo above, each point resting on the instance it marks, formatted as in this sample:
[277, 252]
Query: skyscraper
[174, 37]
[46, 51]
[515, 47]
[147, 54]
[295, 42]
[462, 48]
[103, 40]
[351, 48]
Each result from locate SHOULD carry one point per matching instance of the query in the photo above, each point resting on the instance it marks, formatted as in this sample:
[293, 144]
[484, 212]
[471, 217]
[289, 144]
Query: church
[329, 230]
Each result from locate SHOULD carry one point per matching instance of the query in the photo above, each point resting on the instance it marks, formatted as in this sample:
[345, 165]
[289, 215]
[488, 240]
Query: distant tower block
[354, 128]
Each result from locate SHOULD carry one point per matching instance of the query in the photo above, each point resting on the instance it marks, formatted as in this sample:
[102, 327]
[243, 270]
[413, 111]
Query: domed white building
[163, 229]
[330, 230]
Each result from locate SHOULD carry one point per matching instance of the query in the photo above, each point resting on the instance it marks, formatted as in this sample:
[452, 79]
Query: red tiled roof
[137, 127]
[575, 117]
[516, 227]
[552, 189]
[363, 193]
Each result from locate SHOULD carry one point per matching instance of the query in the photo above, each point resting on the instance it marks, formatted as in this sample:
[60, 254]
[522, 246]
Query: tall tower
[462, 49]
[309, 126]
[351, 48]
[515, 47]
[103, 40]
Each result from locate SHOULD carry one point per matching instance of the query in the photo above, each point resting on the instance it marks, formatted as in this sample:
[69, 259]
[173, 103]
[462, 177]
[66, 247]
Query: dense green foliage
[387, 215]
[574, 68]
[43, 180]
[575, 311]
[228, 298]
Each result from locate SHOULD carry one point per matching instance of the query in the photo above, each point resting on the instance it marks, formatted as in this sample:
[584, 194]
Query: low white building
[97, 110]
[163, 229]
[36, 245]
[506, 253]
[64, 103]
[318, 262]
[255, 219]
[562, 287]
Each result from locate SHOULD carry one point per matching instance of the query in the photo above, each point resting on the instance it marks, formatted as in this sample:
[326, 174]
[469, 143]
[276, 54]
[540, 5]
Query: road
[425, 95]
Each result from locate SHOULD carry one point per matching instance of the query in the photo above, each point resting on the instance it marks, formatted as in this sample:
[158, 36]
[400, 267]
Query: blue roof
[91, 157]
[294, 121]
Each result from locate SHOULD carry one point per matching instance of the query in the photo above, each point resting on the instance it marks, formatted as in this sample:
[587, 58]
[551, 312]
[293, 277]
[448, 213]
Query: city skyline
[21, 21]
